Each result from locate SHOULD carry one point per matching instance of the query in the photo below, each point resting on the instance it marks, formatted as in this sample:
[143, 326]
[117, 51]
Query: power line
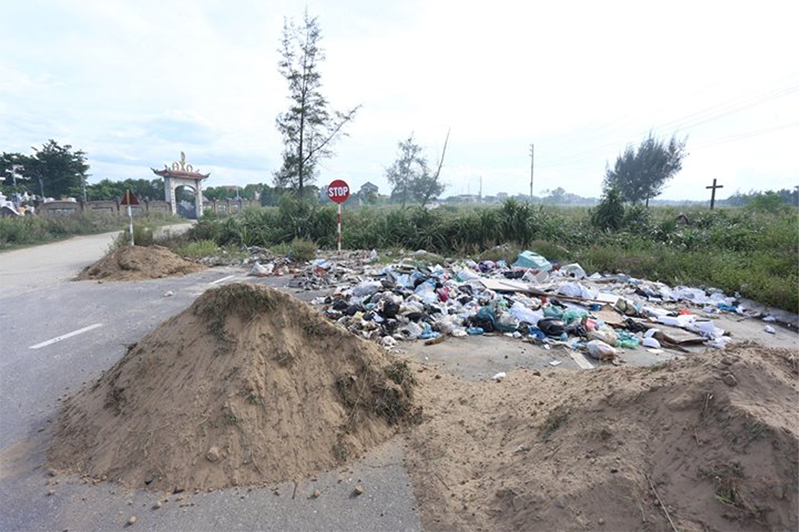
[740, 136]
[689, 121]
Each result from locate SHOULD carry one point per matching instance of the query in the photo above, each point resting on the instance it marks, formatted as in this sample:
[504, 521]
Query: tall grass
[737, 250]
[28, 230]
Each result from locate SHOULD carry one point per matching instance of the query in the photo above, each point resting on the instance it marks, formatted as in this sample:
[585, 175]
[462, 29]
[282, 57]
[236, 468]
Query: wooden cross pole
[714, 188]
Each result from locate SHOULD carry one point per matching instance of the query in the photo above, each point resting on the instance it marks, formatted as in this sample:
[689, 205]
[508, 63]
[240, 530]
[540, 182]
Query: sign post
[127, 200]
[338, 191]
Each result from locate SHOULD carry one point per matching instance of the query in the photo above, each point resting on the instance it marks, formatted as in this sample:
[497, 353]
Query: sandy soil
[710, 443]
[137, 263]
[247, 386]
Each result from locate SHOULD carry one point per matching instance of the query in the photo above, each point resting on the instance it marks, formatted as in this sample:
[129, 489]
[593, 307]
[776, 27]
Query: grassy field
[750, 252]
[32, 230]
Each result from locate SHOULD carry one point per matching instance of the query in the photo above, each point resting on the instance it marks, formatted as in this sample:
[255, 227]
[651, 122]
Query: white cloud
[134, 83]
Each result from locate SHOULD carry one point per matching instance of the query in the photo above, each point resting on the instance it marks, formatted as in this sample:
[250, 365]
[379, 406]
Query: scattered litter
[651, 342]
[499, 376]
[169, 293]
[769, 329]
[261, 271]
[532, 300]
[600, 350]
[555, 363]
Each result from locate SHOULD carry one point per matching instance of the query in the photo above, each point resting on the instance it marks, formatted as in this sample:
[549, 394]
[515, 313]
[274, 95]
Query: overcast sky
[134, 83]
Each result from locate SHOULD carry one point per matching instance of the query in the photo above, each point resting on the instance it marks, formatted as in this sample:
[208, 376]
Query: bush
[609, 214]
[749, 251]
[142, 236]
[199, 249]
[302, 249]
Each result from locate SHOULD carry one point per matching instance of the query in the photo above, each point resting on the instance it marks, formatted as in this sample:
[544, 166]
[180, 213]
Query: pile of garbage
[532, 299]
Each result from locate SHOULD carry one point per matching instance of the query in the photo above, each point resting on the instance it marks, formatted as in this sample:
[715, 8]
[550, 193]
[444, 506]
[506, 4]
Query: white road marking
[581, 360]
[65, 336]
[223, 279]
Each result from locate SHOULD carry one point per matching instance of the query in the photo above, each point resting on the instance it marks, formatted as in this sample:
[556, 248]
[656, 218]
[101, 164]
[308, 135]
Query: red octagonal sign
[338, 191]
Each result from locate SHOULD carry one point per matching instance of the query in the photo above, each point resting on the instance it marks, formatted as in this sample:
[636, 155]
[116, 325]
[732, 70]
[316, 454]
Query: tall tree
[640, 174]
[410, 176]
[406, 169]
[57, 169]
[309, 128]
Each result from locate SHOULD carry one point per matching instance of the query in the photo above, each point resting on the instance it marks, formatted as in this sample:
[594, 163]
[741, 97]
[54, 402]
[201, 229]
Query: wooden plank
[581, 360]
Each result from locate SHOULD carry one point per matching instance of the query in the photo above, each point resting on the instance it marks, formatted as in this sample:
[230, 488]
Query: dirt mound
[246, 386]
[713, 439]
[134, 263]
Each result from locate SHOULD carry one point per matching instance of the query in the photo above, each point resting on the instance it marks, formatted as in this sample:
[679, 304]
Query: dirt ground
[705, 443]
[246, 386]
[136, 263]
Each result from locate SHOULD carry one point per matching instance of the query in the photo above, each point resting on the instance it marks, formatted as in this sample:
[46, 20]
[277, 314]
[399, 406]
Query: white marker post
[338, 191]
[130, 220]
[127, 200]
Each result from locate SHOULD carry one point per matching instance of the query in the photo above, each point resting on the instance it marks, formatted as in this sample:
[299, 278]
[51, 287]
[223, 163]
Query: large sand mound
[714, 436]
[247, 386]
[134, 263]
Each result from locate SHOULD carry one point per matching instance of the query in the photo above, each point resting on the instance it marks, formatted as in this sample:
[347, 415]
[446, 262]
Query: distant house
[502, 196]
[368, 193]
[367, 188]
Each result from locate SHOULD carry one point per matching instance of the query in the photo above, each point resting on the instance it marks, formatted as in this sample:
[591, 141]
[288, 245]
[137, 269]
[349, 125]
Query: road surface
[27, 269]
[56, 335]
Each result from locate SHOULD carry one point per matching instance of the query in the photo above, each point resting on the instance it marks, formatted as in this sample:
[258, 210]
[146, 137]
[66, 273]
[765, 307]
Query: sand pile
[715, 436]
[246, 386]
[137, 263]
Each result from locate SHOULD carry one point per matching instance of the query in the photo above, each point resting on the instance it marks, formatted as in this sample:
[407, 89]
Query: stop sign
[338, 191]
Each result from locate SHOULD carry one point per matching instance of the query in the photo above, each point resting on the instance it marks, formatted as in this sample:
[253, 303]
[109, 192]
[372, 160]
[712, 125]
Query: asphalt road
[40, 363]
[37, 369]
[28, 269]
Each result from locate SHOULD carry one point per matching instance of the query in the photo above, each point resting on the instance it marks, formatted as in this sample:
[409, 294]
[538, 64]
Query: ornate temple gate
[181, 174]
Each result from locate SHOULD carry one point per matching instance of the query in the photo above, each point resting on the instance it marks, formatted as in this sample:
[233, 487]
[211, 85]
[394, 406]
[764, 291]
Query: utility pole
[531, 173]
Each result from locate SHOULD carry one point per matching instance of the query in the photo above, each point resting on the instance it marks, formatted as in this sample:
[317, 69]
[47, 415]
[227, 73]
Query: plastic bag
[261, 271]
[367, 288]
[600, 350]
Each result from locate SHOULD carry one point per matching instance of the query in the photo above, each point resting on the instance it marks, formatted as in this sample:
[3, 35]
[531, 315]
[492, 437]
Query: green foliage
[302, 249]
[610, 212]
[410, 176]
[309, 128]
[641, 173]
[143, 235]
[199, 249]
[142, 188]
[767, 202]
[60, 169]
[752, 252]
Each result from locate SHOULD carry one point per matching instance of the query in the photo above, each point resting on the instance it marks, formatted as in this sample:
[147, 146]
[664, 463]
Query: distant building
[368, 193]
[368, 188]
[502, 196]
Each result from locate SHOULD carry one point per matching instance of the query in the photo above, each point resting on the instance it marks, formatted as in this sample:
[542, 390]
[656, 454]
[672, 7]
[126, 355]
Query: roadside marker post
[128, 200]
[338, 191]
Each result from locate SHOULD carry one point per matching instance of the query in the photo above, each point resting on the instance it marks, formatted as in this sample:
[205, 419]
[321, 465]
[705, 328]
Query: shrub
[302, 249]
[199, 249]
[609, 214]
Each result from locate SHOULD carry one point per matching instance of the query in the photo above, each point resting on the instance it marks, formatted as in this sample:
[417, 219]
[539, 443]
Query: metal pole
[130, 217]
[339, 228]
[531, 173]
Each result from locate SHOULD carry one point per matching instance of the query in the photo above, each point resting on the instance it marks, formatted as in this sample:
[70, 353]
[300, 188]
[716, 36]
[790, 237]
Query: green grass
[199, 249]
[33, 230]
[752, 252]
